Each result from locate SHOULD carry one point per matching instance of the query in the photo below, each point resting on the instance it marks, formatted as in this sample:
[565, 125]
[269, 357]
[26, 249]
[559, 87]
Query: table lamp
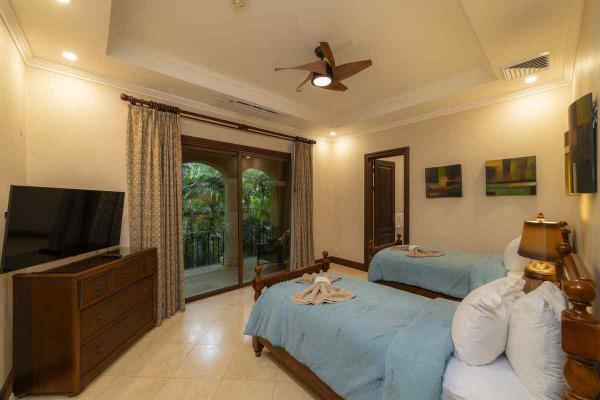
[539, 242]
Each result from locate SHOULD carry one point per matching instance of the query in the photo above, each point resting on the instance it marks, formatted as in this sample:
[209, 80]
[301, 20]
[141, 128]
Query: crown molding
[463, 107]
[159, 95]
[572, 41]
[196, 75]
[426, 93]
[429, 92]
[8, 15]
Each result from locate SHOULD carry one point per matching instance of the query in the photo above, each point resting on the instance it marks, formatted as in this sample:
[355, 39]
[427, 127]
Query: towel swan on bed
[321, 290]
[417, 251]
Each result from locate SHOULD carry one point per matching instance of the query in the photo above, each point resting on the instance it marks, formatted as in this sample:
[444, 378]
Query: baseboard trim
[348, 263]
[6, 390]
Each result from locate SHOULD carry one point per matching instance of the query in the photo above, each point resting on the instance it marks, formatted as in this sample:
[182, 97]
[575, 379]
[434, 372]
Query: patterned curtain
[154, 198]
[302, 205]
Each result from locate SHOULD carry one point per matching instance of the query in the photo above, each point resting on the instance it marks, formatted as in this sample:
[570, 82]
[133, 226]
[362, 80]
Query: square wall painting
[511, 177]
[443, 181]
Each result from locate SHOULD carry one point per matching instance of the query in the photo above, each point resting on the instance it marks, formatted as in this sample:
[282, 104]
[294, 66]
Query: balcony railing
[202, 249]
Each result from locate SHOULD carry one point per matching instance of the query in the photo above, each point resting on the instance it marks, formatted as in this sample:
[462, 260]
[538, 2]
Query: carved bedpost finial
[326, 261]
[398, 239]
[257, 282]
[566, 232]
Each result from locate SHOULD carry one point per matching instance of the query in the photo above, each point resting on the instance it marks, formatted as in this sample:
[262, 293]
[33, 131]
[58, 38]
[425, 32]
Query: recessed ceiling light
[531, 79]
[238, 3]
[64, 1]
[69, 55]
[332, 133]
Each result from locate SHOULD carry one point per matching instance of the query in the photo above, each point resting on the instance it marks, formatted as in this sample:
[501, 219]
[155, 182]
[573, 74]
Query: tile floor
[199, 355]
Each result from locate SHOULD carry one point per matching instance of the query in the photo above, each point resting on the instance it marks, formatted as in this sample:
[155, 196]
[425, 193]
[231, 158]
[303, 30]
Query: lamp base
[538, 272]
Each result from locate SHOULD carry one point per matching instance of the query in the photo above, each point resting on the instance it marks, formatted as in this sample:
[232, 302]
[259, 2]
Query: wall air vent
[527, 67]
[251, 107]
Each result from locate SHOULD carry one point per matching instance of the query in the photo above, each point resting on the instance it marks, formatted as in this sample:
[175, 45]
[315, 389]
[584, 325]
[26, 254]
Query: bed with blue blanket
[453, 275]
[383, 344]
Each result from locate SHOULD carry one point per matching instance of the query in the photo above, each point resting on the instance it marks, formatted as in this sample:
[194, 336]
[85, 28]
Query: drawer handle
[124, 275]
[97, 289]
[145, 267]
[99, 348]
[145, 290]
[99, 316]
[145, 315]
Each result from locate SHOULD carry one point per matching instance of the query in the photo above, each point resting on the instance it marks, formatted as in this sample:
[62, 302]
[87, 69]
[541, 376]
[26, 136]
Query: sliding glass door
[266, 200]
[236, 214]
[210, 221]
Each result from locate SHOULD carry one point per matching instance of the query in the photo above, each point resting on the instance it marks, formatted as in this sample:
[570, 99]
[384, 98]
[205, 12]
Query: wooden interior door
[384, 201]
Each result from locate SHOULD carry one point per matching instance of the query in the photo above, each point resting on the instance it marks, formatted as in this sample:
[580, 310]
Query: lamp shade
[540, 239]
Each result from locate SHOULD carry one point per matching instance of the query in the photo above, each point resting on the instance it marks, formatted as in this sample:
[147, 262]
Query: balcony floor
[217, 276]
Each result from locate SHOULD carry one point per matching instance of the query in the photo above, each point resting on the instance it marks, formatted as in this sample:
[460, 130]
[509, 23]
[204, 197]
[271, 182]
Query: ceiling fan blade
[335, 85]
[328, 53]
[318, 67]
[308, 78]
[347, 70]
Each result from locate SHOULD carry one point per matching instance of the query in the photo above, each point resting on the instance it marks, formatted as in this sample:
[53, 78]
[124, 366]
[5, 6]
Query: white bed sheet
[495, 381]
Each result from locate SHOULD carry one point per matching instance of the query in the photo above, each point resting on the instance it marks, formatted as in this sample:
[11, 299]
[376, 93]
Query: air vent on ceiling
[251, 107]
[527, 67]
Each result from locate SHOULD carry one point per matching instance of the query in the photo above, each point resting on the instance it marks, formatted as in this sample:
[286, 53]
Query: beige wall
[12, 168]
[532, 125]
[586, 210]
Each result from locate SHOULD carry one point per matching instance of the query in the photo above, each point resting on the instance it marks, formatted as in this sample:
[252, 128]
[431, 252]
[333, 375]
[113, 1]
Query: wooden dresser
[72, 322]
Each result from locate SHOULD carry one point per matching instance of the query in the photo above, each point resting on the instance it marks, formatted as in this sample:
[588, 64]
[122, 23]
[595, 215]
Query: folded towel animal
[416, 251]
[321, 290]
[309, 279]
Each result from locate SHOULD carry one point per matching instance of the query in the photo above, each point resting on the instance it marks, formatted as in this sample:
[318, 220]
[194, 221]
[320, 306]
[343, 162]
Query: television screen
[580, 147]
[47, 224]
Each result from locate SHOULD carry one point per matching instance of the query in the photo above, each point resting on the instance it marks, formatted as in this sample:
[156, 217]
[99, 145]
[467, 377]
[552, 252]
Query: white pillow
[512, 260]
[534, 342]
[480, 323]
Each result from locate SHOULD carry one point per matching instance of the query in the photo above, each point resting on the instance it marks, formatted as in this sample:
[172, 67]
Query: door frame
[194, 142]
[368, 194]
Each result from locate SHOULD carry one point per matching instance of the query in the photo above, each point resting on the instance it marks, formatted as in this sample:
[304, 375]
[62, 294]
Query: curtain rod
[213, 120]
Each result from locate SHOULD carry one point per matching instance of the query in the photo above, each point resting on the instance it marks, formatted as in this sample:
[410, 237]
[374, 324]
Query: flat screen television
[581, 147]
[47, 224]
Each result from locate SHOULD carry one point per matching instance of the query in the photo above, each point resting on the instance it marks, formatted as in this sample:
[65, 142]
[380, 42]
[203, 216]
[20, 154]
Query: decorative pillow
[534, 342]
[512, 260]
[480, 324]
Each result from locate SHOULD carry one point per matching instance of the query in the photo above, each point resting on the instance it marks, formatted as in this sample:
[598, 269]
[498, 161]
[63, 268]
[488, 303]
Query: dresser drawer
[122, 277]
[94, 289]
[104, 313]
[106, 343]
[144, 267]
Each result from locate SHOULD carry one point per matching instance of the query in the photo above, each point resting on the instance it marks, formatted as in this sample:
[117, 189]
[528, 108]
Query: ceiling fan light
[321, 80]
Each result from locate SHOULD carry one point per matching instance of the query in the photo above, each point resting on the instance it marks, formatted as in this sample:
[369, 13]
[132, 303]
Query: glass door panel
[210, 220]
[266, 214]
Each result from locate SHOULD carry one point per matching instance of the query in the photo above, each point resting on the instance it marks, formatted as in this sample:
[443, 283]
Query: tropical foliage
[204, 199]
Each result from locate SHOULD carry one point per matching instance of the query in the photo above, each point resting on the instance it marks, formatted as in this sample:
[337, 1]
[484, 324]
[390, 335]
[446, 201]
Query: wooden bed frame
[580, 328]
[372, 250]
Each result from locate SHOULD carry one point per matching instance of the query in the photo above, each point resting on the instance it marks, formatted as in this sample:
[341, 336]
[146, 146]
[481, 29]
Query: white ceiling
[429, 56]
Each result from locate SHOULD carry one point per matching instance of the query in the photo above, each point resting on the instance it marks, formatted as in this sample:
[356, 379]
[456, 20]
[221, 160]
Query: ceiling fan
[327, 75]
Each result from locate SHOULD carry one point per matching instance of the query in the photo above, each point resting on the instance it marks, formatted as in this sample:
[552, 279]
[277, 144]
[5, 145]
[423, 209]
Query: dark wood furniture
[580, 329]
[71, 322]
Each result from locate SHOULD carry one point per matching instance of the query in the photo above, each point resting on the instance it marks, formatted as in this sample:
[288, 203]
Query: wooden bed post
[257, 282]
[580, 328]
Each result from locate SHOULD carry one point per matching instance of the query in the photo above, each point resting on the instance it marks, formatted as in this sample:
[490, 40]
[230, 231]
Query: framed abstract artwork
[511, 177]
[443, 181]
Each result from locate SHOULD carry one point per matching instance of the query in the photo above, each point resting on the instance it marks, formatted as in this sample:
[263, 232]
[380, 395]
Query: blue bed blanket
[455, 273]
[383, 344]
